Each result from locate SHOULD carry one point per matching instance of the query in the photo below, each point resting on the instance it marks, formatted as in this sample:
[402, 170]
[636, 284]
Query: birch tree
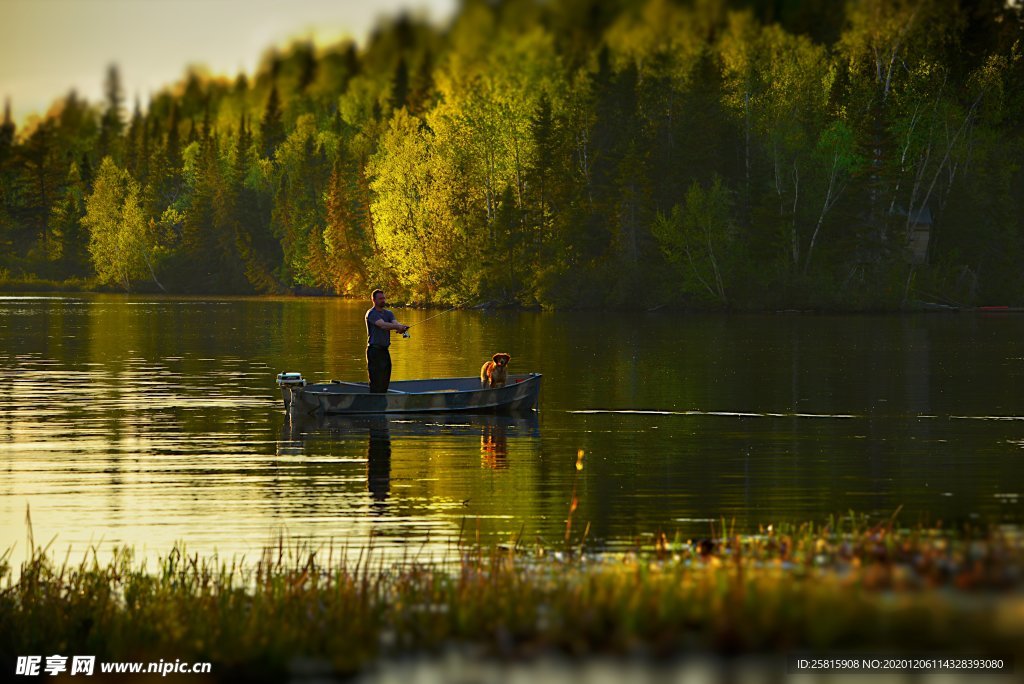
[700, 239]
[122, 241]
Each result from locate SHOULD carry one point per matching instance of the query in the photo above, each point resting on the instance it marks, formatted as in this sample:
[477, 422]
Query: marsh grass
[843, 584]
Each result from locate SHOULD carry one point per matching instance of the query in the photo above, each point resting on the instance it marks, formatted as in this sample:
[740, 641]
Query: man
[379, 324]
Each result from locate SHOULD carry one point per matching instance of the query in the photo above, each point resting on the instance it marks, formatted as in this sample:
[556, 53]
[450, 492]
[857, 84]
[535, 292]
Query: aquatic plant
[846, 583]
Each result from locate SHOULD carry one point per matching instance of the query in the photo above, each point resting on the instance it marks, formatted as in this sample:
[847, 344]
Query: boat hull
[443, 395]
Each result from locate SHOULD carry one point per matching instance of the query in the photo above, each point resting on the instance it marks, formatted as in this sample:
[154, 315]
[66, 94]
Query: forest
[709, 154]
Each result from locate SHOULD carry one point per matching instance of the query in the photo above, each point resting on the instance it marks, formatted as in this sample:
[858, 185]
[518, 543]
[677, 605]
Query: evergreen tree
[36, 185]
[400, 87]
[7, 130]
[271, 127]
[8, 173]
[172, 147]
[135, 155]
[112, 121]
[258, 251]
[590, 143]
[69, 238]
[344, 236]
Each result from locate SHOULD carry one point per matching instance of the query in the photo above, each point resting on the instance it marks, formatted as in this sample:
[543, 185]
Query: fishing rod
[406, 333]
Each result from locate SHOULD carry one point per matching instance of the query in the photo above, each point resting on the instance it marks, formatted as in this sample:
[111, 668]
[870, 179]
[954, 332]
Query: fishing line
[406, 333]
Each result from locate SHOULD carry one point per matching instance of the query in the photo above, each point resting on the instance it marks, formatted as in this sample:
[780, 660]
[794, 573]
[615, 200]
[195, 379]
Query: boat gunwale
[487, 408]
[527, 378]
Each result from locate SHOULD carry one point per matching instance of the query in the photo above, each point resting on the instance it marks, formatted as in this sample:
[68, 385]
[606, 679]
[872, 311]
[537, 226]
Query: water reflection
[139, 420]
[378, 458]
[310, 428]
[494, 446]
[300, 433]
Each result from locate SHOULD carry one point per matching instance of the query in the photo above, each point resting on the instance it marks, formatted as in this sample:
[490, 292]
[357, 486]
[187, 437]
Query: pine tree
[69, 237]
[112, 121]
[172, 148]
[135, 157]
[307, 66]
[344, 237]
[37, 185]
[8, 173]
[542, 175]
[400, 86]
[271, 127]
[250, 225]
[7, 131]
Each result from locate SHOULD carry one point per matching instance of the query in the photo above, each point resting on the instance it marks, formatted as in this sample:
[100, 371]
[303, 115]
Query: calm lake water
[141, 420]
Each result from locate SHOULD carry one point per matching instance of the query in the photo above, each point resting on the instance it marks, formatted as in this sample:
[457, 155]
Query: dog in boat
[495, 372]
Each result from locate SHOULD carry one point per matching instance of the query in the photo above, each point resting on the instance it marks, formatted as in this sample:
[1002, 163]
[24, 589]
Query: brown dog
[494, 373]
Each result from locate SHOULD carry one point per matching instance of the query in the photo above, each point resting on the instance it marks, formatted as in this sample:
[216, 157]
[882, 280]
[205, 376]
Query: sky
[49, 47]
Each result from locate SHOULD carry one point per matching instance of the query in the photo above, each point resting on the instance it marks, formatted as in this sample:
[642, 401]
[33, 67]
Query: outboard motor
[287, 382]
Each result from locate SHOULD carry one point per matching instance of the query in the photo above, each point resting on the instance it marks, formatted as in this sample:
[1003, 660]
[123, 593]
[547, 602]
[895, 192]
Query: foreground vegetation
[845, 584]
[717, 153]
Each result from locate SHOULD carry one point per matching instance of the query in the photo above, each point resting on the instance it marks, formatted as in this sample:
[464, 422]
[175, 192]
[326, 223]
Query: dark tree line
[744, 154]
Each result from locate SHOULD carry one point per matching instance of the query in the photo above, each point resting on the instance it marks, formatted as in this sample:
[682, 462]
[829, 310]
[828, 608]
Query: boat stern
[289, 382]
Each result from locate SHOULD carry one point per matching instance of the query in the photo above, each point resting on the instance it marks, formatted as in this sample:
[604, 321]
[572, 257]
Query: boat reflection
[493, 431]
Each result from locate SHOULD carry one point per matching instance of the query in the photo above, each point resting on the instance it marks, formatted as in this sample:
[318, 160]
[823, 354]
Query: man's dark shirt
[374, 335]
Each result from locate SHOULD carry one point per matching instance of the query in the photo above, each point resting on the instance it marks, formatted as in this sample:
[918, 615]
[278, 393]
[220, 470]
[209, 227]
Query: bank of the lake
[910, 304]
[30, 285]
[839, 586]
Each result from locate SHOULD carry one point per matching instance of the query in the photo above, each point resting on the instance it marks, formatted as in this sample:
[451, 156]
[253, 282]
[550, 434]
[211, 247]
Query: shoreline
[843, 586]
[77, 287]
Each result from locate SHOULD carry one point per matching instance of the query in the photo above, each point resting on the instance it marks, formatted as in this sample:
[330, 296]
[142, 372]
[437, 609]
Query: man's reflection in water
[494, 445]
[378, 459]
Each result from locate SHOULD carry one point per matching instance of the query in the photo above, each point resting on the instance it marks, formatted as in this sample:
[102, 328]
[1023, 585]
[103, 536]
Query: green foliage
[701, 241]
[723, 153]
[414, 234]
[123, 243]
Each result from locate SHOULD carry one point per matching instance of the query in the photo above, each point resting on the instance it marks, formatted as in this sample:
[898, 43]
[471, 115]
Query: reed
[845, 583]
